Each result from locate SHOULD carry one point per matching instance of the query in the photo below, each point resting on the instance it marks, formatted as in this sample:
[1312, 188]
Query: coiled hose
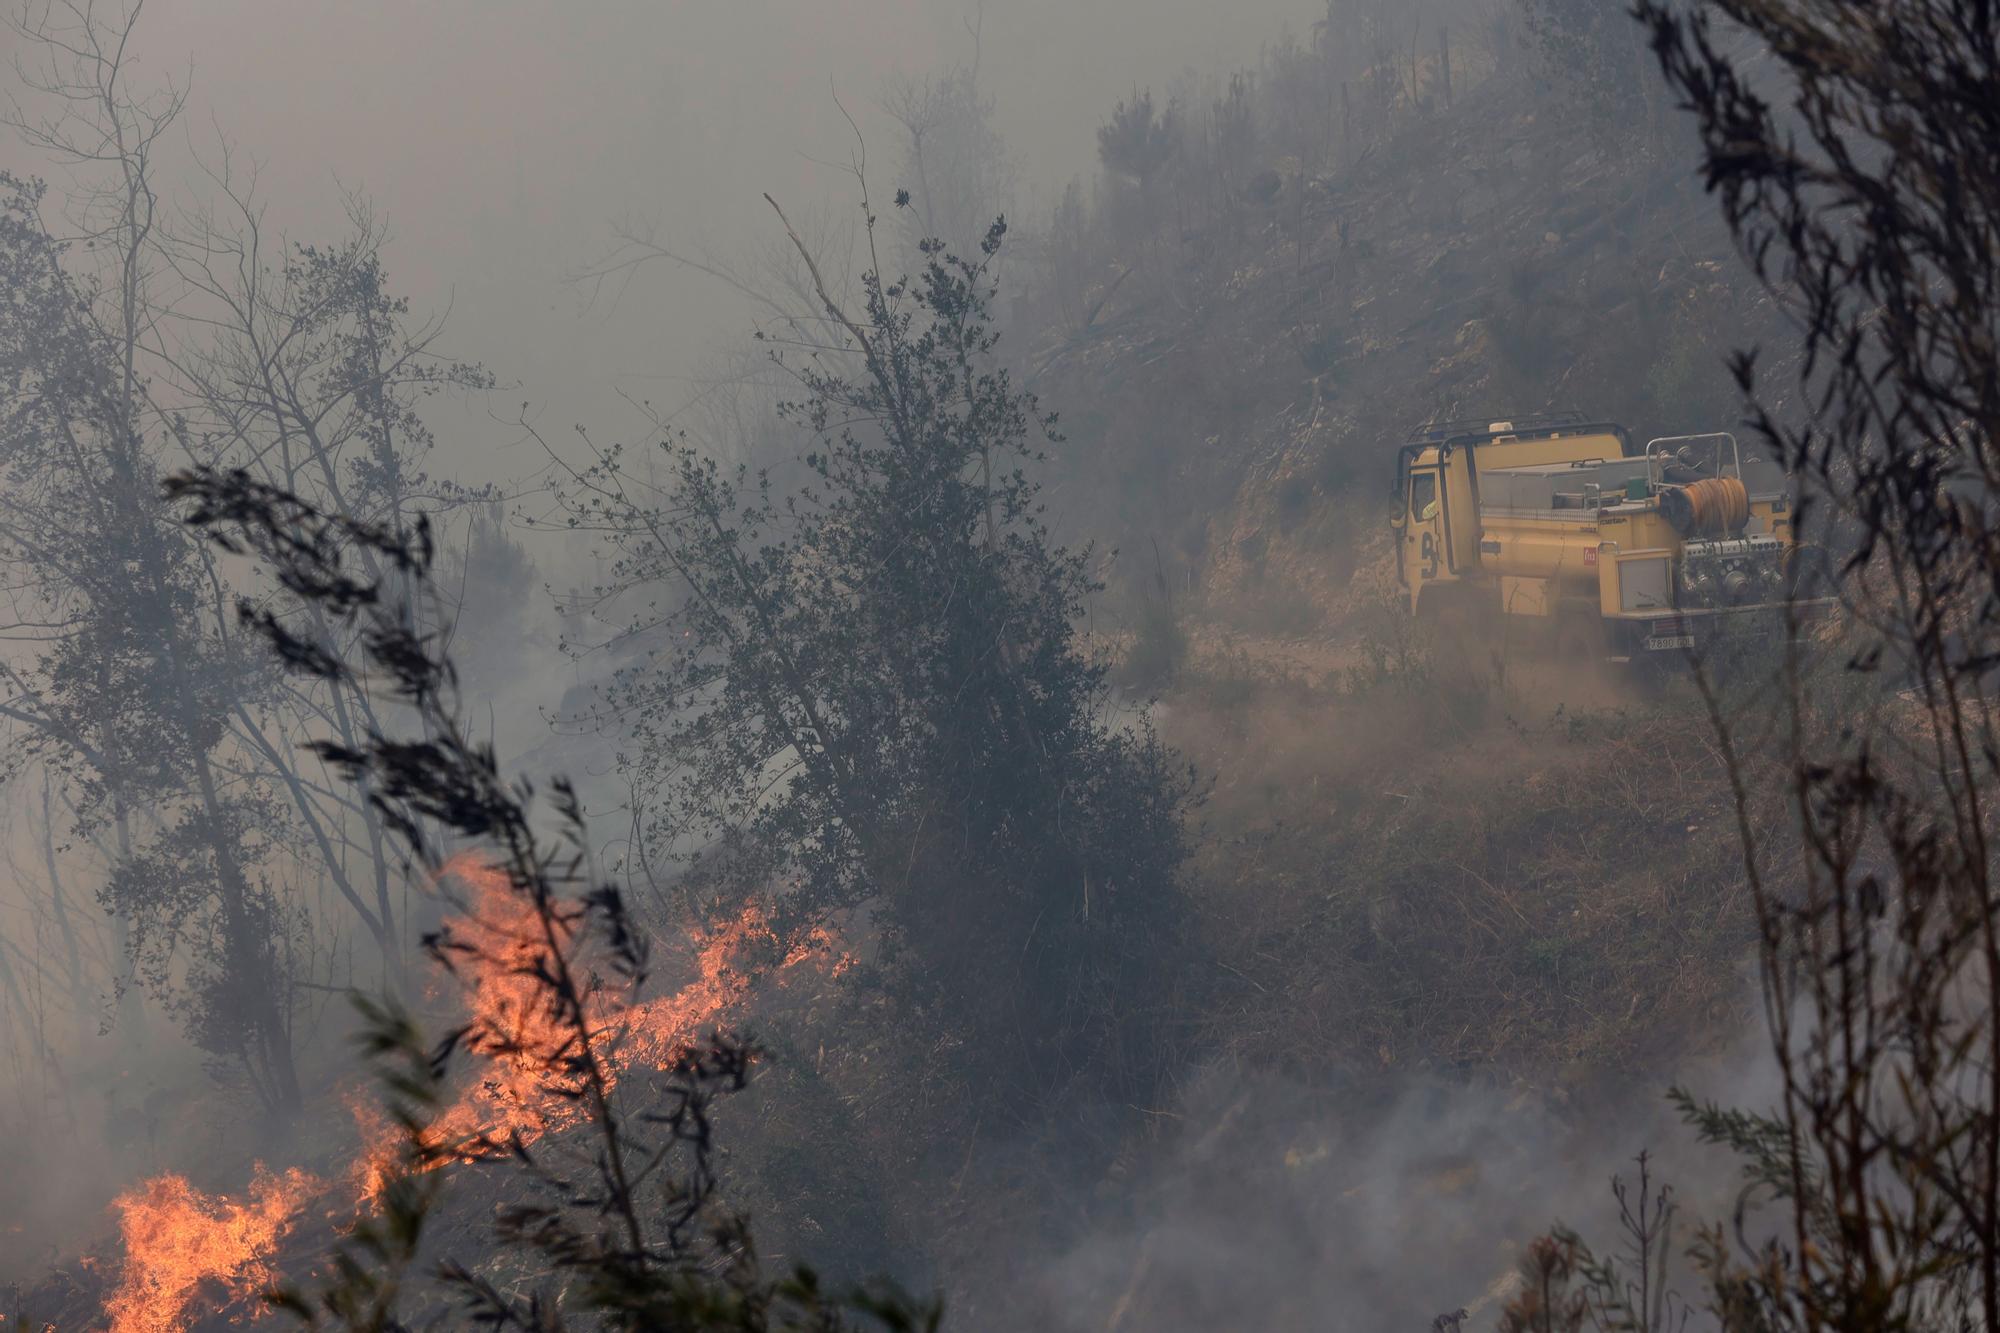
[1711, 507]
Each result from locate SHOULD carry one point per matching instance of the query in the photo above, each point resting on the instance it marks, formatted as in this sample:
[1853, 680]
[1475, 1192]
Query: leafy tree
[1137, 148]
[1136, 143]
[867, 690]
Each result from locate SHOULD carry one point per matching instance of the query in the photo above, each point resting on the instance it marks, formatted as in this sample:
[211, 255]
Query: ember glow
[187, 1252]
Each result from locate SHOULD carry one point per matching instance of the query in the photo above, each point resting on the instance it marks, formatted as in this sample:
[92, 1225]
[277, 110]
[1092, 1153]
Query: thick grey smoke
[504, 141]
[1278, 1206]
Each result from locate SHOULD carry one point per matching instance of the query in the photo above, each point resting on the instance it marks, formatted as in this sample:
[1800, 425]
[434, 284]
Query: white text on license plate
[1658, 641]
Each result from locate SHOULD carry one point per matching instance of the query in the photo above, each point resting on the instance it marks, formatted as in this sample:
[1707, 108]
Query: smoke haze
[503, 142]
[1378, 825]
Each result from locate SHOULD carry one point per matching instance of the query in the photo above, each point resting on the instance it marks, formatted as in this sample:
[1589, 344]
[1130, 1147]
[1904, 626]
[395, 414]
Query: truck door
[1424, 557]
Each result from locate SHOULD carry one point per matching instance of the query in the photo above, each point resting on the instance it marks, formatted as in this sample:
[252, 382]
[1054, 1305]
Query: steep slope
[1406, 865]
[1238, 400]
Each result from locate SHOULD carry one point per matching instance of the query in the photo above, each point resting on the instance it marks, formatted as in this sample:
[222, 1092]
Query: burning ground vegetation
[189, 1258]
[1371, 814]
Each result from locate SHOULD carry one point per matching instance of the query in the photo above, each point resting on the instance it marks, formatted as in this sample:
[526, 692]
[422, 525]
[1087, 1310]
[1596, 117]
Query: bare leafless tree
[1850, 147]
[146, 336]
[954, 164]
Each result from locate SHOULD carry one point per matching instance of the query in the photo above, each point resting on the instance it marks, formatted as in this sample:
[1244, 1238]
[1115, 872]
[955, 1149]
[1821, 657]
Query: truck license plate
[1656, 642]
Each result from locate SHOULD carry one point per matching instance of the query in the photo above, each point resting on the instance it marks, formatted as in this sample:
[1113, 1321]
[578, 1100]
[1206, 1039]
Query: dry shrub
[1386, 883]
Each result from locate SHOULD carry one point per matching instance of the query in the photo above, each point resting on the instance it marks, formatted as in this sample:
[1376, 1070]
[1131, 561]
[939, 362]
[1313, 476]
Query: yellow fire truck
[1560, 523]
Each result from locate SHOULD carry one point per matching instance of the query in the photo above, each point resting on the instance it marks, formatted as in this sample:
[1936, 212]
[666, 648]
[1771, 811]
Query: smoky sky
[502, 139]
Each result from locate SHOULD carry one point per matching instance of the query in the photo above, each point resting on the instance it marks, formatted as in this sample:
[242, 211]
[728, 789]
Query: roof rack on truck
[1436, 432]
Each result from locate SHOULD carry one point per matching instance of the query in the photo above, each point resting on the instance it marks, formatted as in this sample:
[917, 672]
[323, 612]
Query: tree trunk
[79, 989]
[131, 1008]
[248, 960]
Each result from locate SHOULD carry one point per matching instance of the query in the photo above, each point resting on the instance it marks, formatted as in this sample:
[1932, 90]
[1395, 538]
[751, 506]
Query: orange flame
[514, 1028]
[369, 1175]
[179, 1241]
[184, 1248]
